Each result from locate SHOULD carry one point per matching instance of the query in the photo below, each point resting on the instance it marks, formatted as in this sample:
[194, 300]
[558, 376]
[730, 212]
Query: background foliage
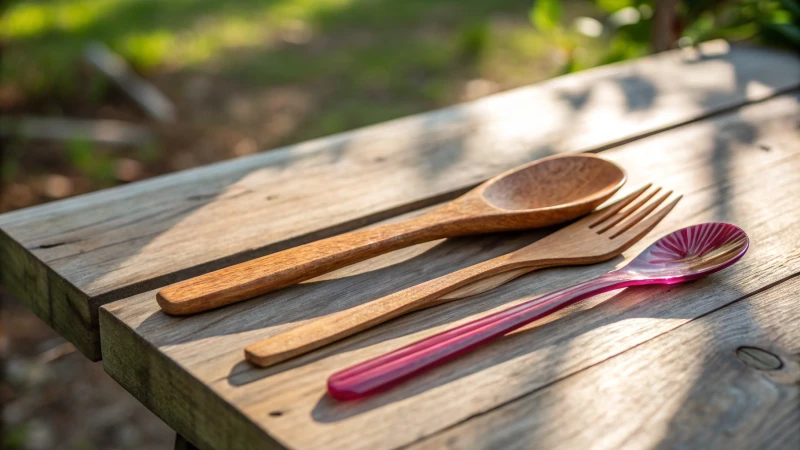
[631, 28]
[251, 75]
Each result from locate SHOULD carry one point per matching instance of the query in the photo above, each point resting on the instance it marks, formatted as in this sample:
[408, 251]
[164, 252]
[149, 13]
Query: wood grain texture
[543, 193]
[742, 167]
[123, 241]
[686, 389]
[586, 241]
[64, 306]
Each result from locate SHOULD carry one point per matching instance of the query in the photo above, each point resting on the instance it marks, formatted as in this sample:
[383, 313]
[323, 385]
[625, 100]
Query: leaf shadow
[623, 305]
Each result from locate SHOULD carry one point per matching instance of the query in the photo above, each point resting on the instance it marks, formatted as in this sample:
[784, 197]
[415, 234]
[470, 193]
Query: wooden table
[710, 364]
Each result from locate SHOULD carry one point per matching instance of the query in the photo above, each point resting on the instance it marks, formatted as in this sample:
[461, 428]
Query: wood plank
[686, 389]
[110, 132]
[742, 167]
[113, 66]
[127, 240]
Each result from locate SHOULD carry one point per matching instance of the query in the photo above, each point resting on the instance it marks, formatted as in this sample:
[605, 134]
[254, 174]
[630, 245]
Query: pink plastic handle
[388, 370]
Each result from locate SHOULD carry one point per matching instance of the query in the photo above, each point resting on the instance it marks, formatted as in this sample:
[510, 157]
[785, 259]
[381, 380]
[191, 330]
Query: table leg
[182, 444]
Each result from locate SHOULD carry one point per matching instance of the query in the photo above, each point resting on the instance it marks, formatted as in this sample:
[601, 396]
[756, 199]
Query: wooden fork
[597, 237]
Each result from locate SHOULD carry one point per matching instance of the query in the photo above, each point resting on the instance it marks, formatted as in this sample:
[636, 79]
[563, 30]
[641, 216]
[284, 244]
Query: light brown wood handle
[312, 335]
[487, 284]
[272, 272]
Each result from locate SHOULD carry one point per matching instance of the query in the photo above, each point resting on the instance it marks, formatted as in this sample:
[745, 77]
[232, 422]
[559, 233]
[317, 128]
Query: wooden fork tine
[638, 231]
[602, 214]
[627, 211]
[636, 218]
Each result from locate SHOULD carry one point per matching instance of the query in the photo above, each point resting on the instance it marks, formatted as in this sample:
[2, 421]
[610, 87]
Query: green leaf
[790, 32]
[611, 6]
[781, 16]
[733, 33]
[546, 15]
[694, 8]
[793, 7]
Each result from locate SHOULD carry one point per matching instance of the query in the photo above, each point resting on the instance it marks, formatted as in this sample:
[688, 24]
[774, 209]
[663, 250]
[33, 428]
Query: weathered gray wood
[150, 99]
[686, 389]
[111, 132]
[124, 241]
[742, 167]
[61, 303]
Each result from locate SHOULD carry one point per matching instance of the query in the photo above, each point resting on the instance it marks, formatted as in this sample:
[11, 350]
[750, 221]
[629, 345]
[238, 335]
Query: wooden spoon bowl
[551, 190]
[545, 192]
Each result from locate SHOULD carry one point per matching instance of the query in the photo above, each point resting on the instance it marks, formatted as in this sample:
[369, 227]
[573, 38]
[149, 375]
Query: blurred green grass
[363, 61]
[333, 65]
[359, 44]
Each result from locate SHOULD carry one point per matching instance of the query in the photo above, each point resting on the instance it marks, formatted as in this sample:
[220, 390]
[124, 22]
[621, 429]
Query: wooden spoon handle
[272, 272]
[316, 333]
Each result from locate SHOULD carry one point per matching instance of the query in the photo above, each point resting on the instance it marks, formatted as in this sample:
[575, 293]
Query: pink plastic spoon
[683, 255]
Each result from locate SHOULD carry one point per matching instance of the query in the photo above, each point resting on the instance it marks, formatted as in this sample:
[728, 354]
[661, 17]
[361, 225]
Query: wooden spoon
[545, 192]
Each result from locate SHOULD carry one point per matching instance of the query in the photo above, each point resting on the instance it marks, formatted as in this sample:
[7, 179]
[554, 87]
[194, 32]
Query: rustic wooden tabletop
[711, 364]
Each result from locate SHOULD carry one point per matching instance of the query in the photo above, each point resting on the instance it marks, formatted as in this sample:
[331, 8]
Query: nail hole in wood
[758, 358]
[276, 413]
[56, 244]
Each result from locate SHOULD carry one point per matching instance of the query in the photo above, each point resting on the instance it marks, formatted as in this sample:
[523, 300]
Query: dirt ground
[54, 398]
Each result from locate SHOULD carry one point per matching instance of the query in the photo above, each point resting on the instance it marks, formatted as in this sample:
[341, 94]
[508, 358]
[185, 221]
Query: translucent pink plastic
[683, 255]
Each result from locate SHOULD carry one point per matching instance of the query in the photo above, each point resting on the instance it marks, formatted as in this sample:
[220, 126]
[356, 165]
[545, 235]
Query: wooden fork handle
[487, 284]
[278, 270]
[320, 332]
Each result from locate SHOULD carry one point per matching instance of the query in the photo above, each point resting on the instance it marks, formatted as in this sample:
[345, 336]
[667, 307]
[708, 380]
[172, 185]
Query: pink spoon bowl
[686, 254]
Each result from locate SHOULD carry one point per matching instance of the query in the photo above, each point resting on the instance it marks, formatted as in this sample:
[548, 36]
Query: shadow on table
[626, 304]
[343, 289]
[528, 340]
